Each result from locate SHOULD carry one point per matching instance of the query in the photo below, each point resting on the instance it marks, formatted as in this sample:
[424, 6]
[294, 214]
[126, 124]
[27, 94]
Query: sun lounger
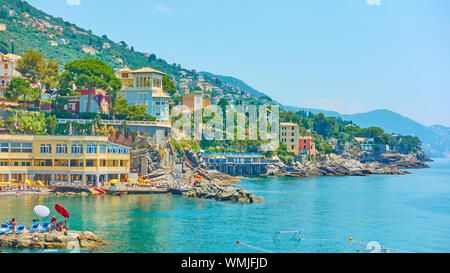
[34, 227]
[44, 227]
[3, 231]
[20, 229]
[6, 230]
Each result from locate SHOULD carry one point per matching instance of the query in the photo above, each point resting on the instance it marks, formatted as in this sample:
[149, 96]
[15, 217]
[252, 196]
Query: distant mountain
[435, 139]
[31, 28]
[236, 82]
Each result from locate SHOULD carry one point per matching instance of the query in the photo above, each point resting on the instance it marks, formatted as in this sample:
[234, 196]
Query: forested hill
[435, 139]
[236, 82]
[30, 28]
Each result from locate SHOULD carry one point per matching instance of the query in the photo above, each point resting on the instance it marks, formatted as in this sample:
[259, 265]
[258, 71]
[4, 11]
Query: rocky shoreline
[222, 193]
[365, 164]
[51, 240]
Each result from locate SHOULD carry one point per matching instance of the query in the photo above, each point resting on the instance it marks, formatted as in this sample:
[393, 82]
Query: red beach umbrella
[61, 210]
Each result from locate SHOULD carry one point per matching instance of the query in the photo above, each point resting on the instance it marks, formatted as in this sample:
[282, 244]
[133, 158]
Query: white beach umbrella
[41, 211]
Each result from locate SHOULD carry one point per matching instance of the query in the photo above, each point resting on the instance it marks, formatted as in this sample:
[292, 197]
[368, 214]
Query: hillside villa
[143, 87]
[7, 70]
[196, 100]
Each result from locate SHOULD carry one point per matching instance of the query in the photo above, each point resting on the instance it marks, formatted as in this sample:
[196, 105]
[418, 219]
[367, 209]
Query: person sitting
[59, 226]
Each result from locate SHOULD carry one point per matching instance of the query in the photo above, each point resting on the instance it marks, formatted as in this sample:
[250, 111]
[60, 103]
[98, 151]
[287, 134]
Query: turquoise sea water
[408, 213]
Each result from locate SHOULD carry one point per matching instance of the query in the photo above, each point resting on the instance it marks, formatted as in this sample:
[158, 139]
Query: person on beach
[53, 222]
[35, 240]
[13, 226]
[59, 226]
[65, 226]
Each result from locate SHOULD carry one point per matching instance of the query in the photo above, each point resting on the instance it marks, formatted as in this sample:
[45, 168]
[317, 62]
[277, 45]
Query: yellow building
[84, 160]
[196, 100]
[289, 135]
[125, 76]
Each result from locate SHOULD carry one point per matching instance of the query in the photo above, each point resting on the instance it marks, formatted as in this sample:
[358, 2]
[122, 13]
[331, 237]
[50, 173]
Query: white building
[7, 70]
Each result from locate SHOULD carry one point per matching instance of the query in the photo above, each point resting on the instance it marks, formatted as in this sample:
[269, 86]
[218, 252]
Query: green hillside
[36, 29]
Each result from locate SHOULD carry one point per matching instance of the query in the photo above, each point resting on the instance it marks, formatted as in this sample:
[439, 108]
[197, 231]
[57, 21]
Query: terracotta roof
[288, 124]
[124, 69]
[148, 70]
[11, 57]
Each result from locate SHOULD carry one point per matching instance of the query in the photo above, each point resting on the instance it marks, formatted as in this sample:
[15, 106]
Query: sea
[377, 213]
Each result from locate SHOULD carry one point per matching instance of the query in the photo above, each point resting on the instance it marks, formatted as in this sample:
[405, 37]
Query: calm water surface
[404, 213]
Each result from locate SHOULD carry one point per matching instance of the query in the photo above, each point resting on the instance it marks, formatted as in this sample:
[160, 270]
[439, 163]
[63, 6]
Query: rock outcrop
[336, 167]
[409, 161]
[50, 240]
[223, 193]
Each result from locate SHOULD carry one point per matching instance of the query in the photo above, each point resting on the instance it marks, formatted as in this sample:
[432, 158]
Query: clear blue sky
[344, 55]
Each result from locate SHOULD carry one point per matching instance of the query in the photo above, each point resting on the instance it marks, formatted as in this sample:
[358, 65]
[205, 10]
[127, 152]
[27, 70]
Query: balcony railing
[119, 122]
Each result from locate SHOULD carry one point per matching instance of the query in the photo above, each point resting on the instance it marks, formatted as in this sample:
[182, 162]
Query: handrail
[118, 122]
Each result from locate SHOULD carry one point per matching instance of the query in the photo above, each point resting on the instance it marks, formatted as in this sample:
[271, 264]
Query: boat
[99, 190]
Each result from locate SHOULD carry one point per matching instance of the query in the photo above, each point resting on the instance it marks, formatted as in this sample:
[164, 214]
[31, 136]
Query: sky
[350, 56]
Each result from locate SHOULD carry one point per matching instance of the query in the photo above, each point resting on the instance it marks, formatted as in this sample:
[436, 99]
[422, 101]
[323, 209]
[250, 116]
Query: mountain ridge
[29, 25]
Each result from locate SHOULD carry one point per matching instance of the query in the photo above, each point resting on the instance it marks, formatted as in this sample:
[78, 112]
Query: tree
[92, 74]
[3, 14]
[19, 88]
[50, 79]
[4, 48]
[65, 81]
[378, 134]
[151, 58]
[33, 66]
[120, 106]
[168, 85]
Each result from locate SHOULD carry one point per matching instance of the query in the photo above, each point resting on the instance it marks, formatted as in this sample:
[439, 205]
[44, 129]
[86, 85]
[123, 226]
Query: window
[61, 148]
[27, 147]
[4, 147]
[89, 163]
[113, 149]
[46, 148]
[102, 149]
[21, 147]
[6, 66]
[91, 149]
[77, 148]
